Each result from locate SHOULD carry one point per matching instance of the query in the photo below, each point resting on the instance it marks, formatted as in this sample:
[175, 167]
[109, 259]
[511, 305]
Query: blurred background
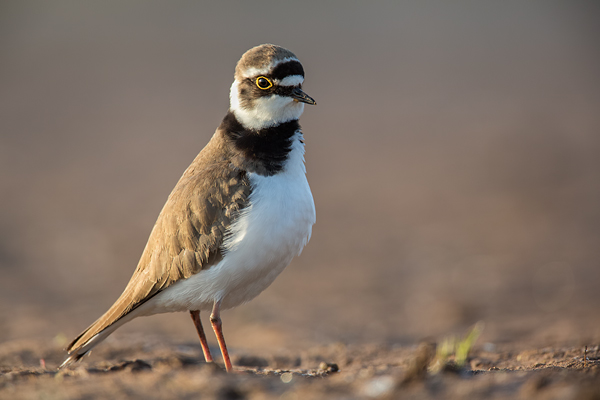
[454, 157]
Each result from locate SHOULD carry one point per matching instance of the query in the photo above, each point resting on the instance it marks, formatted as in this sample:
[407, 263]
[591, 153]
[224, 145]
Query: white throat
[266, 112]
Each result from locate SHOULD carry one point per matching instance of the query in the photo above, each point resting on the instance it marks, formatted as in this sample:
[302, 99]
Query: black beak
[299, 95]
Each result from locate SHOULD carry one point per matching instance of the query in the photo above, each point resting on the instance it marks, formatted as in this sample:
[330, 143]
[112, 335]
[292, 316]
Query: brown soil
[153, 370]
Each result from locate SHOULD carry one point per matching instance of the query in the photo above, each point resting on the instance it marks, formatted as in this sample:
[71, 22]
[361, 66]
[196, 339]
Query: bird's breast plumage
[269, 232]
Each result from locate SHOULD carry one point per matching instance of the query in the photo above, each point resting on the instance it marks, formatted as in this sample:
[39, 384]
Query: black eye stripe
[284, 90]
[286, 69]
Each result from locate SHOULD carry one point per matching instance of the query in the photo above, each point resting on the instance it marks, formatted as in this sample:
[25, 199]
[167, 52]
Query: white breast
[261, 243]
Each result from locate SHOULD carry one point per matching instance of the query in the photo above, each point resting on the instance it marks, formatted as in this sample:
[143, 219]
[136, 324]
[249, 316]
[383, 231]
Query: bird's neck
[263, 151]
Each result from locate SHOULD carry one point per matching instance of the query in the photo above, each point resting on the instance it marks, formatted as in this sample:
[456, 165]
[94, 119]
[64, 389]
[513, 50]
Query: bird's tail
[93, 335]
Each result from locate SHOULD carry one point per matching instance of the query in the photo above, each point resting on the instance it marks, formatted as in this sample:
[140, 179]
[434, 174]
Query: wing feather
[188, 234]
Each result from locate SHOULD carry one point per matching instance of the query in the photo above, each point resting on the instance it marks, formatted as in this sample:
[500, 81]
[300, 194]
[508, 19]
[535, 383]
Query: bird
[238, 215]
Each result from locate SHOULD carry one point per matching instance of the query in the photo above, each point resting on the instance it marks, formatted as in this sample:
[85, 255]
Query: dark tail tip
[71, 359]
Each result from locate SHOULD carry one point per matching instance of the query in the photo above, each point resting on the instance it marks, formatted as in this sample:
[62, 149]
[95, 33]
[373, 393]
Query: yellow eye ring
[263, 83]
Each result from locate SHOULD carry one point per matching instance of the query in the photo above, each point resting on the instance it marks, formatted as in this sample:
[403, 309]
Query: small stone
[286, 377]
[328, 367]
[379, 386]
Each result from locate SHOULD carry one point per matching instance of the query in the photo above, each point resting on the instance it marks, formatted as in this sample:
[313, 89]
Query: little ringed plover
[237, 216]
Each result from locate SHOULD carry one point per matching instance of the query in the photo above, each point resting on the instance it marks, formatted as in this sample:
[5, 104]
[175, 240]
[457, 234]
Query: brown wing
[188, 234]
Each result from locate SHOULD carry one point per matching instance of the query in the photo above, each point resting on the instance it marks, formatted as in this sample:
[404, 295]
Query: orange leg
[196, 318]
[215, 320]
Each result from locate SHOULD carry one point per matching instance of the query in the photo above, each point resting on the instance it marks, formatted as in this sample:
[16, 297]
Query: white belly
[261, 243]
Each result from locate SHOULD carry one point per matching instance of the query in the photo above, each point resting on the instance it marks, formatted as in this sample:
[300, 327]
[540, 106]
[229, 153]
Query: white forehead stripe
[291, 80]
[250, 72]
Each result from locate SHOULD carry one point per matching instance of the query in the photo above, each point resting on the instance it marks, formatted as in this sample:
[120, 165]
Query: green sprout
[453, 352]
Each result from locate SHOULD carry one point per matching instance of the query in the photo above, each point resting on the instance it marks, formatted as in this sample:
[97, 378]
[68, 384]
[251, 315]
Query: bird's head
[267, 90]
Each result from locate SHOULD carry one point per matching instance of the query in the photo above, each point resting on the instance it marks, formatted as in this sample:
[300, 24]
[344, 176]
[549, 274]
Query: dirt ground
[452, 155]
[154, 370]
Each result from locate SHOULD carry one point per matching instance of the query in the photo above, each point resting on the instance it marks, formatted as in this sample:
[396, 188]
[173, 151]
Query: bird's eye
[263, 83]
